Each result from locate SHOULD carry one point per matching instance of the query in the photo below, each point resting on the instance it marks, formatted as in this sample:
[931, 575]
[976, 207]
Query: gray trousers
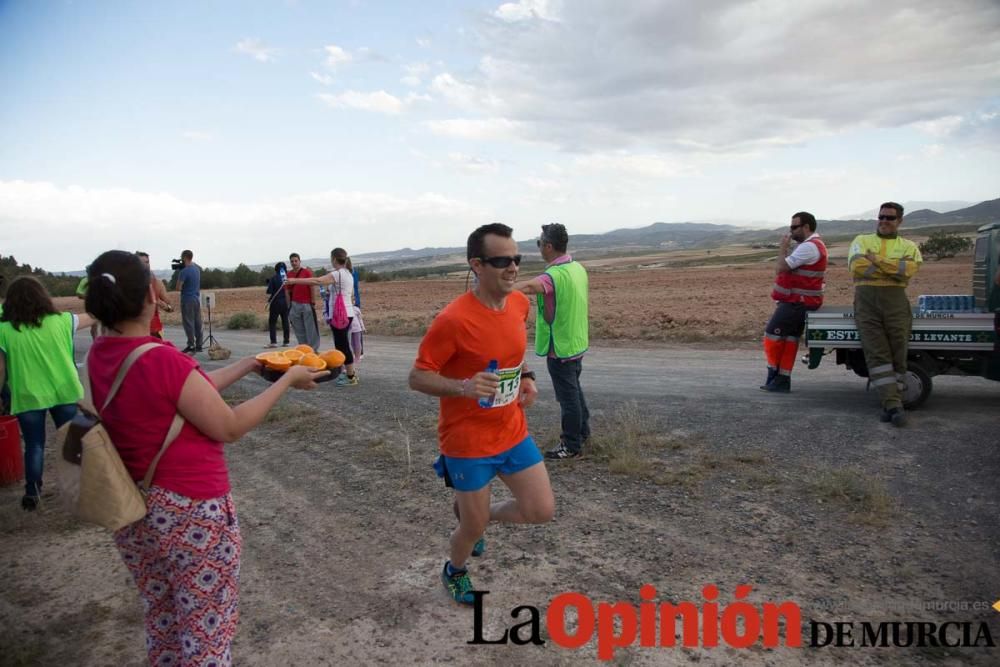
[191, 318]
[303, 319]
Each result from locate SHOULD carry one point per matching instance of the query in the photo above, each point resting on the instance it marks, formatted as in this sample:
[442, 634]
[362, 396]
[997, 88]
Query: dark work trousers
[884, 319]
[342, 340]
[191, 319]
[575, 415]
[273, 313]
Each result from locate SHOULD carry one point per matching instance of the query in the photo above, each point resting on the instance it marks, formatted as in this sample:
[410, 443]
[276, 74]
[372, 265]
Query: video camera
[176, 264]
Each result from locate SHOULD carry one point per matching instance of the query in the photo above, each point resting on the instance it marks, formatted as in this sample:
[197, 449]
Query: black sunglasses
[502, 261]
[890, 218]
[794, 227]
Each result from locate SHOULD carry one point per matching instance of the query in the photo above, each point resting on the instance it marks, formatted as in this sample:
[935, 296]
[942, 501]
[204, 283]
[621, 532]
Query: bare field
[633, 298]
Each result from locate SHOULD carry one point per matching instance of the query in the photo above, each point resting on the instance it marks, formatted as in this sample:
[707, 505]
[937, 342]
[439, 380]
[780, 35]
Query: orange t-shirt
[461, 342]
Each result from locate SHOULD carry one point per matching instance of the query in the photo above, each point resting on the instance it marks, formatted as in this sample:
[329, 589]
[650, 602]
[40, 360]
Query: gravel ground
[694, 477]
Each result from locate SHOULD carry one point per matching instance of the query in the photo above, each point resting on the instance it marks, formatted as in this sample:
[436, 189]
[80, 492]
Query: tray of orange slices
[276, 363]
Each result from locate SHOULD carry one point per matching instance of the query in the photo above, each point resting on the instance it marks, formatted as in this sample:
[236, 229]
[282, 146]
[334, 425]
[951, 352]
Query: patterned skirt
[185, 559]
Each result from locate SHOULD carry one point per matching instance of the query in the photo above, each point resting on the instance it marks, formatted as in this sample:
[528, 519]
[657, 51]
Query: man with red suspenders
[798, 288]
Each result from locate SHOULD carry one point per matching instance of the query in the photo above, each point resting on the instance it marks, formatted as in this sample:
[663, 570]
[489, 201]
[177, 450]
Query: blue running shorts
[473, 474]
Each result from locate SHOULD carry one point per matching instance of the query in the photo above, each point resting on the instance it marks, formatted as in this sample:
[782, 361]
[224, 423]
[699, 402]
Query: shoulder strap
[175, 429]
[132, 357]
[88, 394]
[175, 426]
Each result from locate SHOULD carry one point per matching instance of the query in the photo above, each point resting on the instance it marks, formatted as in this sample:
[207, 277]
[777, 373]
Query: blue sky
[248, 130]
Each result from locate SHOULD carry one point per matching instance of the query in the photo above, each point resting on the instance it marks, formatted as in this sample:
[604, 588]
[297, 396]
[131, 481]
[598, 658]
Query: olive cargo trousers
[884, 318]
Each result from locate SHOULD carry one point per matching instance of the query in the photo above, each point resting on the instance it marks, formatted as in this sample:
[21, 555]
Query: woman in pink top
[185, 554]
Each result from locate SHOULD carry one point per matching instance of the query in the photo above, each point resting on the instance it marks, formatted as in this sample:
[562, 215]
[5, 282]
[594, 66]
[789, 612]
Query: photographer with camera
[189, 285]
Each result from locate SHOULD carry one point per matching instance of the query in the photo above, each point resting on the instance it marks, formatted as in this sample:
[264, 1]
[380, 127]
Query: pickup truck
[942, 341]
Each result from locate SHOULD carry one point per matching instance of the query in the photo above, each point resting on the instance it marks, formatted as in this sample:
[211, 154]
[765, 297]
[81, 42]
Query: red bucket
[11, 459]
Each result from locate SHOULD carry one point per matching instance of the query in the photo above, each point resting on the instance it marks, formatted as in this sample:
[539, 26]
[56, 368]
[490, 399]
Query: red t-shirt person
[140, 415]
[300, 293]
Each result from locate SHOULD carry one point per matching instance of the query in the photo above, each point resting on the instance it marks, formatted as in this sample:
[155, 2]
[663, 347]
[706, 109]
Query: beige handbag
[93, 481]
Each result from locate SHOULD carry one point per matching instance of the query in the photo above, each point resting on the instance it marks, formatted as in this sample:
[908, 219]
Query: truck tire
[917, 387]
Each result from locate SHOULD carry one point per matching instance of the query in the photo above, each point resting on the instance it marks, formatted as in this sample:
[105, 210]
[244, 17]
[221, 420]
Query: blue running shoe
[458, 585]
[479, 548]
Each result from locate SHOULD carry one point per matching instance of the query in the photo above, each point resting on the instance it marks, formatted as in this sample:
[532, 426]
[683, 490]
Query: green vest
[566, 336]
[40, 367]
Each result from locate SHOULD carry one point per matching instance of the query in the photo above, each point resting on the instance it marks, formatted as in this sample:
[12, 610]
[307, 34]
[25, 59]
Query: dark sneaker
[479, 548]
[197, 349]
[897, 416]
[458, 585]
[885, 417]
[29, 503]
[285, 344]
[187, 350]
[561, 453]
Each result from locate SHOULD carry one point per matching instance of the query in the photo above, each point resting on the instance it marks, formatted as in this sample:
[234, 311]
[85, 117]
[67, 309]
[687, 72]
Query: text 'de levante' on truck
[951, 334]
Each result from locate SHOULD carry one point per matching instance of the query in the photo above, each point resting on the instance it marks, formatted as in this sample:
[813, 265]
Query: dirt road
[806, 497]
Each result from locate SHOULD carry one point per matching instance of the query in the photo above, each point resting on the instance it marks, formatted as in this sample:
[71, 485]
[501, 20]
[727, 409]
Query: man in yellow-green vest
[881, 267]
[561, 335]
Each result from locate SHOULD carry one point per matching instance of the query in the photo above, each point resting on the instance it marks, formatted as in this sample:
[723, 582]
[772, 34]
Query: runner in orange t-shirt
[473, 359]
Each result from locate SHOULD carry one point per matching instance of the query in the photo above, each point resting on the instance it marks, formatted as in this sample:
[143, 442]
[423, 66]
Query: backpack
[339, 319]
[94, 483]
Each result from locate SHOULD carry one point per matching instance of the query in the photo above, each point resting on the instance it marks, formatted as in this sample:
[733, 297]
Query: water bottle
[283, 274]
[488, 400]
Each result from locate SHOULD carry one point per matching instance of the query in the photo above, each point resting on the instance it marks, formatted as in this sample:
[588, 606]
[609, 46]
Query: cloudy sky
[246, 130]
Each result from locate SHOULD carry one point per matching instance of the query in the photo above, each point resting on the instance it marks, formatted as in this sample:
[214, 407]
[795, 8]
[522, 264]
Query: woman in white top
[341, 284]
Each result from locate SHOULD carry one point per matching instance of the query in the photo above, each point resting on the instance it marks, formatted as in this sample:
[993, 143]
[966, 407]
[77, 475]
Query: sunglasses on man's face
[890, 218]
[502, 261]
[794, 227]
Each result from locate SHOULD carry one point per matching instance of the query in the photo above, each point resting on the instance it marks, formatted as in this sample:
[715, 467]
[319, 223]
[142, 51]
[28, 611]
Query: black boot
[771, 373]
[781, 384]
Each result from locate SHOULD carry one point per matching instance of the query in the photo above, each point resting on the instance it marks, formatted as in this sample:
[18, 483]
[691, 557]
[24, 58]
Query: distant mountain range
[937, 206]
[674, 235]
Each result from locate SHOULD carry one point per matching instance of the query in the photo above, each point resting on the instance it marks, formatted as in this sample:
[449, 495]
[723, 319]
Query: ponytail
[118, 283]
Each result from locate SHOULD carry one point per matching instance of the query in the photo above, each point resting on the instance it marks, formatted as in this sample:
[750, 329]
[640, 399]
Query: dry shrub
[865, 497]
[287, 410]
[242, 321]
[625, 443]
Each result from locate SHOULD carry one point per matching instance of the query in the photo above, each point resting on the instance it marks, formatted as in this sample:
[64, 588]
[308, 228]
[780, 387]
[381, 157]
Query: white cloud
[643, 166]
[257, 50]
[466, 128]
[423, 42]
[940, 127]
[415, 73]
[932, 150]
[34, 217]
[324, 79]
[378, 101]
[336, 56]
[460, 94]
[197, 135]
[527, 9]
[473, 164]
[727, 76]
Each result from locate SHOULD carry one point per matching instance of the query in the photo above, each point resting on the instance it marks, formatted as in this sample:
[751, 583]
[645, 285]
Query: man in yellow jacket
[881, 267]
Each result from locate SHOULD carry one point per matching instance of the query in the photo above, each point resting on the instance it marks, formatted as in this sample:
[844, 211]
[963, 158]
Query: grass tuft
[865, 497]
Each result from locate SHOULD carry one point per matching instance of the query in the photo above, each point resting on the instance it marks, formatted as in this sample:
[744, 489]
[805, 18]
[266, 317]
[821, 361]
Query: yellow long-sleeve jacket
[896, 261]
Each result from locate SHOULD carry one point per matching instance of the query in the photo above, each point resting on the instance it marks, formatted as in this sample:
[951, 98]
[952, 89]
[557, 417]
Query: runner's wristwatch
[528, 374]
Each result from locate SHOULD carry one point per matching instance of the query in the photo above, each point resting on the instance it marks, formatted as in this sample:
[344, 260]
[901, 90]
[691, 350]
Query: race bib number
[510, 385]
